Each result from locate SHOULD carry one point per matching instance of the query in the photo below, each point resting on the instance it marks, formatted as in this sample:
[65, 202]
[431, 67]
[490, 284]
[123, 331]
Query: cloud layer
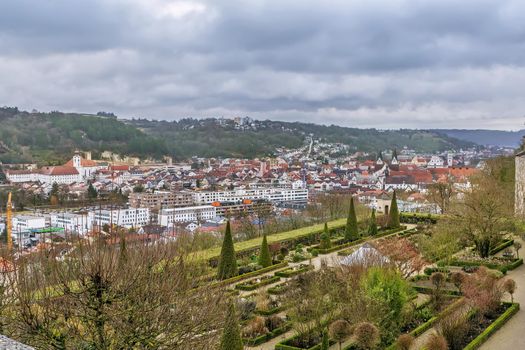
[386, 64]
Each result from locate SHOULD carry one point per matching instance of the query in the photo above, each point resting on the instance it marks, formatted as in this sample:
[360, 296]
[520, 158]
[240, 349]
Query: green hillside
[50, 138]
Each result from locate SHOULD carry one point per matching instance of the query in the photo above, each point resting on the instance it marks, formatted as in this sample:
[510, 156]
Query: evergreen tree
[351, 230]
[92, 192]
[325, 344]
[227, 261]
[325, 238]
[231, 335]
[265, 258]
[372, 228]
[393, 215]
[326, 229]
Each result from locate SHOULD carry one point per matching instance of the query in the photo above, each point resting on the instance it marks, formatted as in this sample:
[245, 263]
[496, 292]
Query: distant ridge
[486, 137]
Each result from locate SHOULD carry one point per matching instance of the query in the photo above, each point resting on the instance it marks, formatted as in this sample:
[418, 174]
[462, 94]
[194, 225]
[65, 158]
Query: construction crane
[9, 222]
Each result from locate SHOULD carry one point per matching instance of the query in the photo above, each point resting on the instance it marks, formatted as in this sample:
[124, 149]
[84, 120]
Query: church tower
[77, 160]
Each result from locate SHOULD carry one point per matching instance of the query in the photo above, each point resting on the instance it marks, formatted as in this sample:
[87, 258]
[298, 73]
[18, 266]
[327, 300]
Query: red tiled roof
[83, 162]
[59, 170]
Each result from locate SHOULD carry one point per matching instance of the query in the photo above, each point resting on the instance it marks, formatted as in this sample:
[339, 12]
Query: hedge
[289, 272]
[278, 289]
[502, 268]
[249, 274]
[506, 243]
[247, 287]
[415, 218]
[283, 346]
[430, 290]
[269, 312]
[493, 327]
[268, 336]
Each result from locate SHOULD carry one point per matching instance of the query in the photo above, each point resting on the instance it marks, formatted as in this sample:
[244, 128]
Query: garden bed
[490, 327]
[278, 289]
[298, 342]
[249, 274]
[293, 270]
[257, 283]
[268, 336]
[495, 263]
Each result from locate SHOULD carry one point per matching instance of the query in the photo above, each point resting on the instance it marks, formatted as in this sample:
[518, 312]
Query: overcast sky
[384, 64]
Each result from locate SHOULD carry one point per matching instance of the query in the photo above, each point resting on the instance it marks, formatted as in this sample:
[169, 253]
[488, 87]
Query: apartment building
[273, 195]
[130, 217]
[79, 223]
[196, 213]
[160, 199]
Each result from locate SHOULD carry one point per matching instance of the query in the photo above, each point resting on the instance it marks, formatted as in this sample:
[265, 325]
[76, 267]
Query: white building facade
[186, 214]
[130, 217]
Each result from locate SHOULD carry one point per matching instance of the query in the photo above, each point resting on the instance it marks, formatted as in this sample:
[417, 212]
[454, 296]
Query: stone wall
[519, 202]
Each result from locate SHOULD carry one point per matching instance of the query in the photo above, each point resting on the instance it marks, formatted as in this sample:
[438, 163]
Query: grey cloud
[384, 63]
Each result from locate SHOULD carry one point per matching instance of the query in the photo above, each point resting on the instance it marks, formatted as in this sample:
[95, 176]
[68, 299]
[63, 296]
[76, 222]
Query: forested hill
[222, 137]
[50, 138]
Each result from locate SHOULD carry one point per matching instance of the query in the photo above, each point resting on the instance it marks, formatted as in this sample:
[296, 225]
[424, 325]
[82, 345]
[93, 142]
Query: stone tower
[519, 201]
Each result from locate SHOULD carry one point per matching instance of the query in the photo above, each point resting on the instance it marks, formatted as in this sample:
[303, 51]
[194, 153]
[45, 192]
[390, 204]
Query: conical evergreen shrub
[325, 344]
[351, 230]
[231, 335]
[265, 258]
[372, 227]
[393, 215]
[227, 261]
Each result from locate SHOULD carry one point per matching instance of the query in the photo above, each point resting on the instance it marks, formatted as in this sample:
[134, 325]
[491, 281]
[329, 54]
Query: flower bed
[257, 283]
[293, 270]
[511, 310]
[363, 240]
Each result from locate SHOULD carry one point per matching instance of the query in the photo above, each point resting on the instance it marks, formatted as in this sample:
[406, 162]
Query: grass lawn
[278, 237]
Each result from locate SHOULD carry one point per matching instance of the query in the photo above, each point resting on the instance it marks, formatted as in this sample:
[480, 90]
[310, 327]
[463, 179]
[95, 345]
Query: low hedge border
[430, 290]
[506, 243]
[249, 274]
[493, 327]
[269, 312]
[269, 336]
[278, 289]
[288, 272]
[502, 268]
[282, 346]
[248, 287]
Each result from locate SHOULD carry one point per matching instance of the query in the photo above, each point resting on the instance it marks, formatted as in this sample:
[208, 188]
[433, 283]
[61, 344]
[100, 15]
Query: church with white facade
[78, 169]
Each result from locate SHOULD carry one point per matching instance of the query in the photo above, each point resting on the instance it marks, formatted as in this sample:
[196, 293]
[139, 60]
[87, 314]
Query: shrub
[454, 328]
[255, 328]
[314, 252]
[366, 336]
[483, 291]
[325, 241]
[509, 286]
[265, 257]
[436, 342]
[404, 342]
[246, 308]
[339, 330]
[325, 344]
[438, 279]
[227, 262]
[273, 322]
[457, 279]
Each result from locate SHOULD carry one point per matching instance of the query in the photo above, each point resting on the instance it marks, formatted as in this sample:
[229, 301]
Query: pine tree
[393, 215]
[351, 230]
[227, 261]
[325, 344]
[231, 335]
[372, 228]
[265, 258]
